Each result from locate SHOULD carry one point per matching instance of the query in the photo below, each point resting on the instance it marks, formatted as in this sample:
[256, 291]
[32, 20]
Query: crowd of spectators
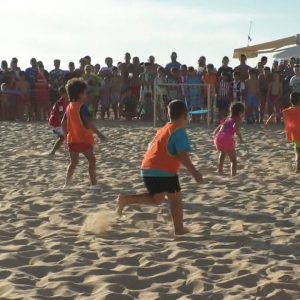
[126, 90]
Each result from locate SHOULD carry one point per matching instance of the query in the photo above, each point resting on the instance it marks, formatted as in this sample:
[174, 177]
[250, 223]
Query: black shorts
[158, 185]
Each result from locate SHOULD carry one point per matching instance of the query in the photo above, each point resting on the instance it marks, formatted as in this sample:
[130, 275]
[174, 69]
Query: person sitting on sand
[224, 137]
[168, 150]
[56, 115]
[78, 128]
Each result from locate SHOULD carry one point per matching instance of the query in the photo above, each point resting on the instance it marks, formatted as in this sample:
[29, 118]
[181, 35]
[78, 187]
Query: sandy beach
[245, 232]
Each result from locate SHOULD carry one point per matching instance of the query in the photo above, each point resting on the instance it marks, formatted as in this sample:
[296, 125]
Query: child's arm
[237, 127]
[88, 123]
[185, 160]
[96, 131]
[217, 130]
[64, 124]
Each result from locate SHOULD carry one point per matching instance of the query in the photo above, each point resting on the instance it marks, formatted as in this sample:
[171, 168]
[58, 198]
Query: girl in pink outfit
[224, 136]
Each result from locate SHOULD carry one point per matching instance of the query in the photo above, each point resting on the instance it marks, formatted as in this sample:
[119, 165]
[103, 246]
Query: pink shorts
[224, 142]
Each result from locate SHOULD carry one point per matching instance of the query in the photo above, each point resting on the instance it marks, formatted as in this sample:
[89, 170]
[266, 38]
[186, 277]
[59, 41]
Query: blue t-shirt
[178, 142]
[171, 65]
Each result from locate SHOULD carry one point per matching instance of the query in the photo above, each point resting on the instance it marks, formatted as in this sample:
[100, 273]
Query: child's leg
[177, 213]
[92, 165]
[57, 145]
[278, 111]
[74, 156]
[145, 199]
[222, 157]
[233, 160]
[298, 160]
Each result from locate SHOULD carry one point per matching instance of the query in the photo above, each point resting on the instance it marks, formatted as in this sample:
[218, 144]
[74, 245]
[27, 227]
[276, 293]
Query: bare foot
[120, 205]
[183, 231]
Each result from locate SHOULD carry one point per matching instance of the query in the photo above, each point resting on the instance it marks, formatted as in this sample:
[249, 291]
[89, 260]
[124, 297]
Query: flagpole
[249, 34]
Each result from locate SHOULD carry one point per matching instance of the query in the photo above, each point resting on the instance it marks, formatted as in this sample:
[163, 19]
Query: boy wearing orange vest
[291, 117]
[169, 149]
[78, 128]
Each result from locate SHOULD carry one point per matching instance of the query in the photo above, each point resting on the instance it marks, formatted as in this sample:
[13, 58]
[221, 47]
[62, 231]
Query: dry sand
[245, 232]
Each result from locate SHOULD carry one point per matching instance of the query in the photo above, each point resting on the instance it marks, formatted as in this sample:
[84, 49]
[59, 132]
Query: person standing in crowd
[125, 69]
[82, 63]
[162, 94]
[252, 98]
[147, 82]
[210, 78]
[223, 96]
[24, 88]
[105, 96]
[88, 60]
[56, 79]
[193, 93]
[238, 88]
[71, 73]
[295, 80]
[115, 93]
[134, 73]
[42, 95]
[264, 61]
[243, 68]
[275, 66]
[14, 66]
[93, 88]
[153, 66]
[288, 73]
[31, 75]
[173, 64]
[228, 71]
[274, 97]
[264, 80]
[4, 71]
[174, 91]
[109, 66]
[202, 65]
[97, 69]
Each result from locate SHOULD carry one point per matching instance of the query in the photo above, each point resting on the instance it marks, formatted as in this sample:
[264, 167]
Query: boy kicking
[78, 128]
[169, 149]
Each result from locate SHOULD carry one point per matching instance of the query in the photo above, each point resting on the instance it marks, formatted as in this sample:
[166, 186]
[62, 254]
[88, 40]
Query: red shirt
[58, 110]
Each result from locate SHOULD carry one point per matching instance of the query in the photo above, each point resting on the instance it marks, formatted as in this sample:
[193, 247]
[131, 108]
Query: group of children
[168, 150]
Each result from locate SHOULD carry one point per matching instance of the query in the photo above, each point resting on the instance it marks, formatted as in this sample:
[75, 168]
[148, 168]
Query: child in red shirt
[56, 115]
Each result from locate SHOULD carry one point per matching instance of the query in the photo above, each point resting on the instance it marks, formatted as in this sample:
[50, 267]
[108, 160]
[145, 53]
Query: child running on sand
[224, 137]
[291, 118]
[56, 115]
[168, 150]
[78, 128]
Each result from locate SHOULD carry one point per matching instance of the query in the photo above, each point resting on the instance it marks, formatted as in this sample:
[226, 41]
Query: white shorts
[58, 131]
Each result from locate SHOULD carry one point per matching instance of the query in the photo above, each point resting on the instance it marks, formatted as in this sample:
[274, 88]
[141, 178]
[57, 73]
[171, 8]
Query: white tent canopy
[269, 47]
[288, 53]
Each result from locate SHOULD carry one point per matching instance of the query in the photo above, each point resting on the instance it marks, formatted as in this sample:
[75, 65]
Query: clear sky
[70, 29]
